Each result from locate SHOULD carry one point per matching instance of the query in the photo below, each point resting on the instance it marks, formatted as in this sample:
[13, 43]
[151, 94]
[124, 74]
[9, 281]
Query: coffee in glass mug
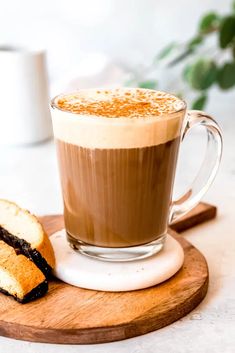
[117, 152]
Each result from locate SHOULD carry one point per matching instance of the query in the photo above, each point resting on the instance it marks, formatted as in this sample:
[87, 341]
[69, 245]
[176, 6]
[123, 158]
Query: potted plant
[206, 60]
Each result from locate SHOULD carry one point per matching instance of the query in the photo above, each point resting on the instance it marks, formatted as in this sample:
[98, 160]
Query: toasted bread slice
[21, 230]
[19, 276]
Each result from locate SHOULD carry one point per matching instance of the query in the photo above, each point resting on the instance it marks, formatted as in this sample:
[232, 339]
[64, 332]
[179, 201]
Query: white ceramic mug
[24, 111]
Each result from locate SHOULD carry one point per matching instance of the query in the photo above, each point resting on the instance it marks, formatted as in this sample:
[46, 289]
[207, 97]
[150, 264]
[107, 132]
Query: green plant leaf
[200, 102]
[180, 57]
[202, 74]
[233, 50]
[233, 5]
[130, 83]
[195, 42]
[226, 76]
[150, 84]
[167, 50]
[227, 31]
[179, 94]
[209, 23]
[187, 73]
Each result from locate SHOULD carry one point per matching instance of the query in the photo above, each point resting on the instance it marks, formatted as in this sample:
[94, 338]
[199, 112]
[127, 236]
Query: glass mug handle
[209, 166]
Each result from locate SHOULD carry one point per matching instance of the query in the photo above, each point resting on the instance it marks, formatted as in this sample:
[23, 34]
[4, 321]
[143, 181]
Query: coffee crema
[117, 152]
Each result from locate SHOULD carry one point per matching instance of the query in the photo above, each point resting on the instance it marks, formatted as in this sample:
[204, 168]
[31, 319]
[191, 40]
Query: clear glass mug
[117, 173]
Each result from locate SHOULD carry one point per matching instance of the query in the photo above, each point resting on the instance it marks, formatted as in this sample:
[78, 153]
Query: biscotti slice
[21, 230]
[19, 276]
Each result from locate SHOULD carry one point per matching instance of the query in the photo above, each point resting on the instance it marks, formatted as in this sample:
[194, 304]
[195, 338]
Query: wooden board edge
[200, 214]
[96, 335]
[99, 336]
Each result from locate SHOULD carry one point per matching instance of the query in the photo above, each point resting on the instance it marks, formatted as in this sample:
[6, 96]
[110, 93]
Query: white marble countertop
[29, 176]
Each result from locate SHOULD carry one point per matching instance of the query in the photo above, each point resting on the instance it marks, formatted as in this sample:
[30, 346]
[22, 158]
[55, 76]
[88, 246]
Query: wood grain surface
[200, 214]
[72, 315]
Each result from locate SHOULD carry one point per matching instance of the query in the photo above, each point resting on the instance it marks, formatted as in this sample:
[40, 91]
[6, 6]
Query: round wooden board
[72, 315]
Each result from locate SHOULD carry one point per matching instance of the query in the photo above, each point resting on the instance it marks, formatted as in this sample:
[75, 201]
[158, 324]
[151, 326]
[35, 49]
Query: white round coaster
[82, 271]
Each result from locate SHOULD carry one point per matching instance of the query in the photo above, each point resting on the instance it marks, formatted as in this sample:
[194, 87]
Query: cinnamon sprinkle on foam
[123, 102]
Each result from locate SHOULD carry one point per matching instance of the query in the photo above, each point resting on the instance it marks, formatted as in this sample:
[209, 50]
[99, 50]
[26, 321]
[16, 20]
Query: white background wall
[128, 30]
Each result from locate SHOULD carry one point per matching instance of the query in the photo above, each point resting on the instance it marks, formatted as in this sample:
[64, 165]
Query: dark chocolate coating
[35, 293]
[21, 246]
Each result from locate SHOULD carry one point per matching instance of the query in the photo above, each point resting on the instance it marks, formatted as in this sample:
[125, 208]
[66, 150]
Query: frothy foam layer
[117, 118]
[117, 103]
